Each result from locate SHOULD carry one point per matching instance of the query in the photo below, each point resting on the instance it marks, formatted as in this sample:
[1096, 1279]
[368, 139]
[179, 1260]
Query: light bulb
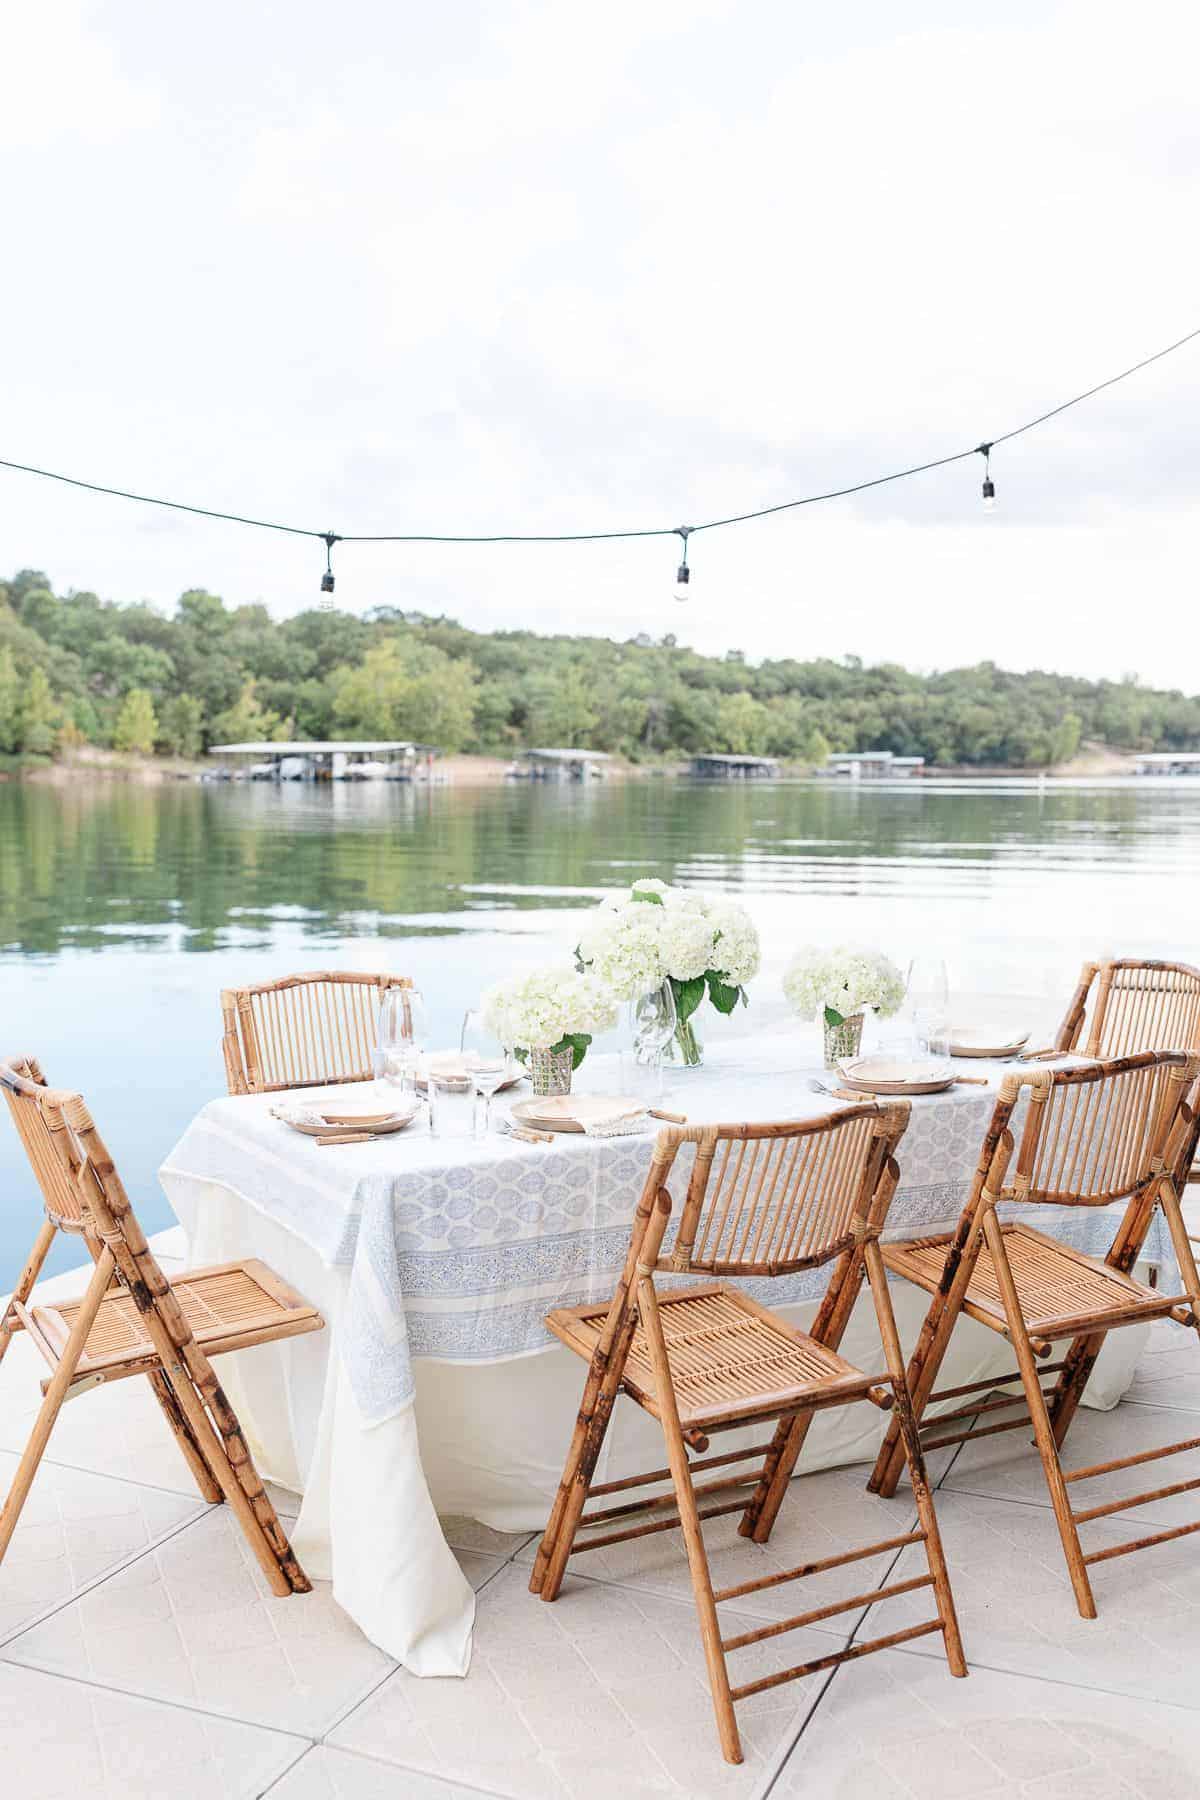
[683, 574]
[989, 495]
[331, 538]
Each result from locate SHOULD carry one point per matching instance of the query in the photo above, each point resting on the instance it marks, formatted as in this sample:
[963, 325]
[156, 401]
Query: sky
[527, 267]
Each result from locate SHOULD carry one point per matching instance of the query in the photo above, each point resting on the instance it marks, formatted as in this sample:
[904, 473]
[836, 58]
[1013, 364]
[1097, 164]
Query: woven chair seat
[229, 1307]
[729, 1357]
[1056, 1285]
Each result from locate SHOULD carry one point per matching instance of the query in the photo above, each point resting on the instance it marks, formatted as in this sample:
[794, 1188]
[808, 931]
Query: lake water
[124, 910]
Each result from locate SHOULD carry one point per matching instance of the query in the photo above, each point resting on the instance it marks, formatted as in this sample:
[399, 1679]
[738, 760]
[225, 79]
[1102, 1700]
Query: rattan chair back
[1094, 1134]
[1124, 1006]
[773, 1199]
[307, 1030]
[42, 1130]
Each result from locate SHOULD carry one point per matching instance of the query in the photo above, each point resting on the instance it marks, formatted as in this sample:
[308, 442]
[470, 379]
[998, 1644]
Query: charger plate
[454, 1063]
[566, 1112]
[895, 1075]
[341, 1119]
[987, 1041]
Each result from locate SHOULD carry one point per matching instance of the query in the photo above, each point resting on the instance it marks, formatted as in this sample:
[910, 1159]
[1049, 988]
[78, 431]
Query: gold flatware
[347, 1137]
[670, 1118]
[529, 1136]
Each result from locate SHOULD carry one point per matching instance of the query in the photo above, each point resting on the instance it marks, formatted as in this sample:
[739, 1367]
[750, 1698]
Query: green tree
[407, 690]
[815, 748]
[136, 727]
[180, 730]
[10, 702]
[1064, 739]
[39, 715]
[743, 724]
[246, 721]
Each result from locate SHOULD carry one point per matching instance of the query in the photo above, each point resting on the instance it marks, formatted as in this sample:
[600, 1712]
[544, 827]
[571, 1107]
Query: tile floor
[141, 1653]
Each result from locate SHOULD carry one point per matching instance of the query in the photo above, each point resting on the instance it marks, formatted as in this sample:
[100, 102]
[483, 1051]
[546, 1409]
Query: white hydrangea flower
[650, 884]
[624, 950]
[537, 1010]
[737, 955]
[686, 939]
[843, 978]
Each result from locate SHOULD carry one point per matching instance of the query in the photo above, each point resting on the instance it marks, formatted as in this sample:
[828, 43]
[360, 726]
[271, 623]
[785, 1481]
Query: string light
[329, 538]
[683, 574]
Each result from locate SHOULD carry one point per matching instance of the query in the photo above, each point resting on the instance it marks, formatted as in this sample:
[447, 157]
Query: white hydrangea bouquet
[548, 1017]
[839, 984]
[651, 933]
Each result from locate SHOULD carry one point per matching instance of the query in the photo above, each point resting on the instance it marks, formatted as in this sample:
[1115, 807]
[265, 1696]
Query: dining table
[435, 1389]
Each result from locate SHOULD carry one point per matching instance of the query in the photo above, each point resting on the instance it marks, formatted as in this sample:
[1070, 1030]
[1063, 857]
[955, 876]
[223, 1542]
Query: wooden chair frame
[1129, 1006]
[1168, 1128]
[310, 1030]
[724, 1233]
[83, 1195]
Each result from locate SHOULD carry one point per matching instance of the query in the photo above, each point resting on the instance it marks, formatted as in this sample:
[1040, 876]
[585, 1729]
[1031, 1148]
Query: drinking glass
[401, 1036]
[654, 1024]
[927, 1001]
[451, 1097]
[489, 1066]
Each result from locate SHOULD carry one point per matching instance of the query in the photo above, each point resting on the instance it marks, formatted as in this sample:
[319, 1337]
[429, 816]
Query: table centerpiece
[548, 1017]
[840, 984]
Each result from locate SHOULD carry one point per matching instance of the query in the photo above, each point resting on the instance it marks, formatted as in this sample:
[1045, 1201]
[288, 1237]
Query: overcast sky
[546, 267]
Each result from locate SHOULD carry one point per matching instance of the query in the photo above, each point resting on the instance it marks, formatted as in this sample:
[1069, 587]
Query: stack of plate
[986, 1041]
[578, 1112]
[896, 1074]
[365, 1118]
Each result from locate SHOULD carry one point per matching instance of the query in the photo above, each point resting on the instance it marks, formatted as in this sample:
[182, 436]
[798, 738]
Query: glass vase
[550, 1072]
[843, 1040]
[687, 1049]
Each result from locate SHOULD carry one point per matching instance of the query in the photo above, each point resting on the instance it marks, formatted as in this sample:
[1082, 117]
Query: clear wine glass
[402, 1035]
[927, 1001]
[489, 1064]
[654, 1025]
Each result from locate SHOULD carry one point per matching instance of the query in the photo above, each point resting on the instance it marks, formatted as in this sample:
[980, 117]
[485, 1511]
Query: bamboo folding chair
[1092, 1135]
[761, 1200]
[132, 1321]
[302, 1031]
[1123, 1007]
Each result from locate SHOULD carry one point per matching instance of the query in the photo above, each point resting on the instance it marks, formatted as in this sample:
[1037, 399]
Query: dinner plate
[896, 1075]
[987, 1041]
[340, 1118]
[566, 1112]
[454, 1063]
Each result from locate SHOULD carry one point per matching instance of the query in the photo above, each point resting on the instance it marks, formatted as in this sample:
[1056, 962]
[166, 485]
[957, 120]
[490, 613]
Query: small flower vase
[550, 1071]
[843, 1040]
[687, 1051]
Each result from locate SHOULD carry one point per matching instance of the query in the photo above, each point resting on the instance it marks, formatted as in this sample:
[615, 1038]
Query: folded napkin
[598, 1116]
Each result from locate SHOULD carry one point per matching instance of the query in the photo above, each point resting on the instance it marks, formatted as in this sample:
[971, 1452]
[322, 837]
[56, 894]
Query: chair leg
[923, 1368]
[56, 1393]
[591, 1427]
[25, 1285]
[210, 1488]
[706, 1606]
[1040, 1418]
[913, 1456]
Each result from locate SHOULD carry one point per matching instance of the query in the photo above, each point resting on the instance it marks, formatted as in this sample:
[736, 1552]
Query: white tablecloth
[434, 1262]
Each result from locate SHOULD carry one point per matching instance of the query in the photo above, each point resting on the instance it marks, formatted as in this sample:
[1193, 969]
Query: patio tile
[1017, 1612]
[193, 1621]
[1009, 1468]
[66, 1739]
[1169, 1373]
[896, 1726]
[822, 1515]
[602, 1666]
[326, 1774]
[469, 1534]
[73, 1528]
[478, 1569]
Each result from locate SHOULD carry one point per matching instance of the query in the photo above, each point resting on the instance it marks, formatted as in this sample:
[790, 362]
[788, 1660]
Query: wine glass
[402, 1034]
[489, 1064]
[654, 1025]
[927, 1000]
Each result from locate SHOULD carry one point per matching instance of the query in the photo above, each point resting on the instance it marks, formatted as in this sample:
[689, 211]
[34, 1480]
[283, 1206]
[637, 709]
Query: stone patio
[141, 1653]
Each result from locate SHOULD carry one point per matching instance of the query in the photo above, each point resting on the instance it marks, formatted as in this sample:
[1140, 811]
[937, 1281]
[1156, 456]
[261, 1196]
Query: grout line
[117, 1568]
[304, 1750]
[395, 1769]
[1081, 1687]
[54, 1462]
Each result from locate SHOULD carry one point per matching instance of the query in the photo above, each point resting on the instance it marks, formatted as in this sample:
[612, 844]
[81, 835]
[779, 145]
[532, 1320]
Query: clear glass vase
[843, 1040]
[687, 1050]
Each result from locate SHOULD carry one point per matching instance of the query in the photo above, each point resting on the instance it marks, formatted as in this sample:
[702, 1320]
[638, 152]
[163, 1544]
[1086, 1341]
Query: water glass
[401, 1035]
[489, 1065]
[451, 1097]
[927, 1002]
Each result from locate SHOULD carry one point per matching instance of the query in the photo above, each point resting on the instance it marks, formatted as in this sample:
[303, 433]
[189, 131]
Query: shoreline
[104, 767]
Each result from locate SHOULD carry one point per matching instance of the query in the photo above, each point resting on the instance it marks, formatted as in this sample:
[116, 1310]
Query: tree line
[75, 670]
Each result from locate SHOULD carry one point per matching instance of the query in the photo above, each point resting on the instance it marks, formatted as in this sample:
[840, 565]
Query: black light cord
[591, 537]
